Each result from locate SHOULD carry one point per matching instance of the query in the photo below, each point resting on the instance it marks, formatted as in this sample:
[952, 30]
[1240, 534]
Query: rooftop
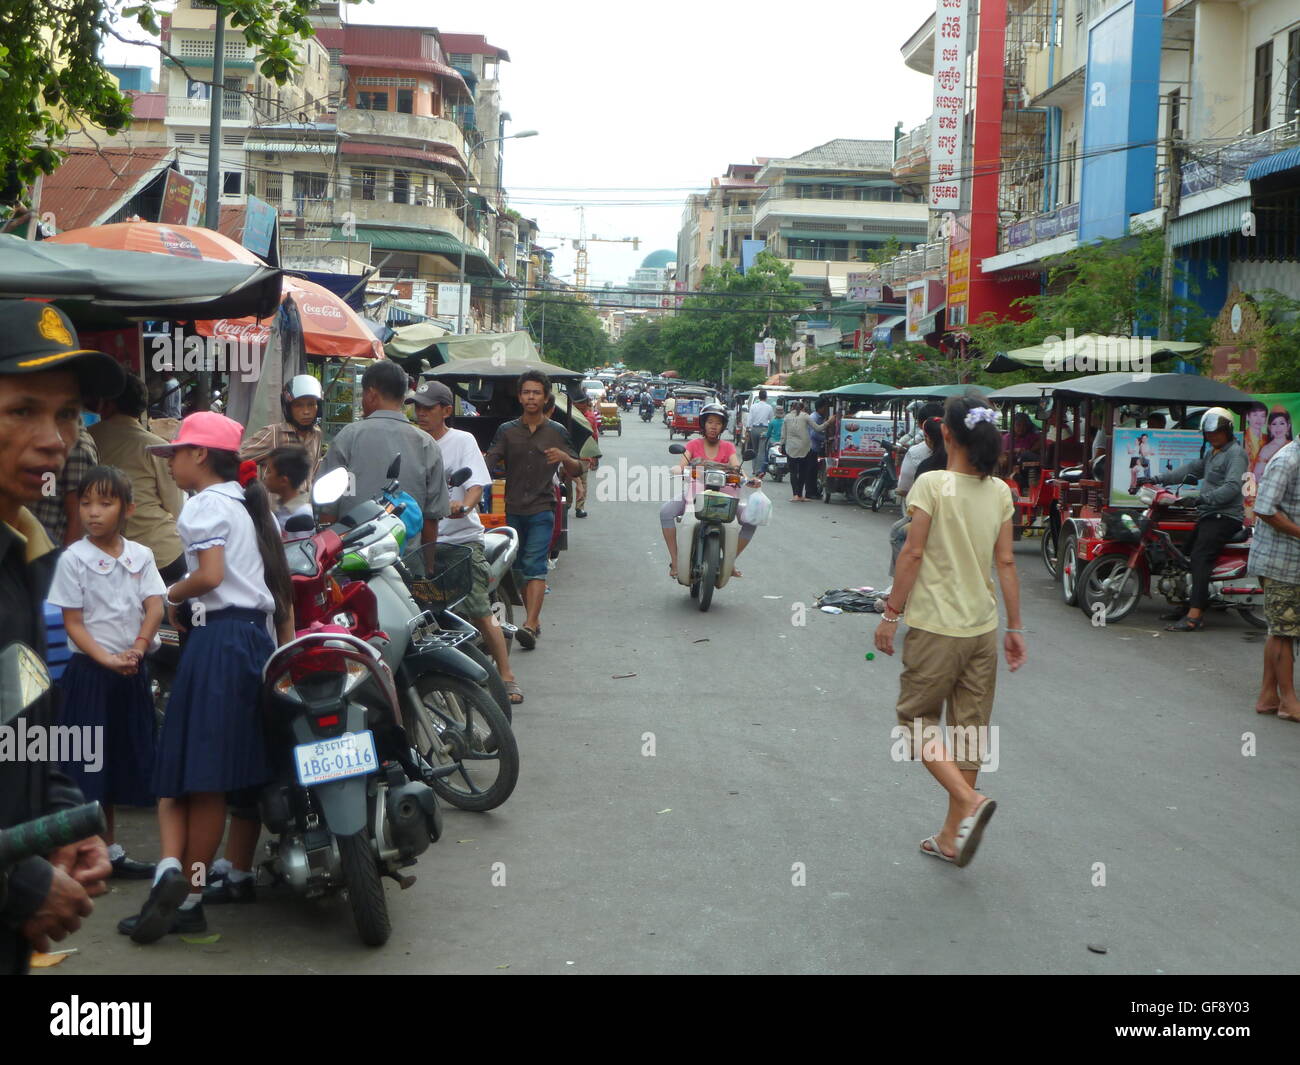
[843, 153]
[473, 44]
[93, 182]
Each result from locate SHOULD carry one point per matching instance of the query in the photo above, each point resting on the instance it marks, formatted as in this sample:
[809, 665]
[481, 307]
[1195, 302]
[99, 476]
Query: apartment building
[695, 240]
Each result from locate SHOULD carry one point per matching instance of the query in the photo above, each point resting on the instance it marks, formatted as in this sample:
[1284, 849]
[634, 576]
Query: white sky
[646, 103]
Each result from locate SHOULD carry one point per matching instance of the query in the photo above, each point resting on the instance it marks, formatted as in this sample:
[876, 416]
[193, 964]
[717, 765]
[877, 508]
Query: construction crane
[580, 243]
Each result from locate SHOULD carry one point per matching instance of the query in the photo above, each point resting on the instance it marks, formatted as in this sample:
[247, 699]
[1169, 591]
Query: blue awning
[1273, 164]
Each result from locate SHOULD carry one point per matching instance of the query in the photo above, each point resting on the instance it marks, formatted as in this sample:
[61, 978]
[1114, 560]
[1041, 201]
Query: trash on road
[1096, 948]
[622, 676]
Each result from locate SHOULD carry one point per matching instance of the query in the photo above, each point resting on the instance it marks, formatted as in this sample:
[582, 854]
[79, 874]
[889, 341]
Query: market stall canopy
[513, 347]
[934, 391]
[493, 366]
[1156, 388]
[860, 388]
[180, 242]
[87, 281]
[1090, 352]
[414, 339]
[1015, 393]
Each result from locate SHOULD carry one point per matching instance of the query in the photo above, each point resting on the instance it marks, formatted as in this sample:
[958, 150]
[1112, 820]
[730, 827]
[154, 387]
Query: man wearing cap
[433, 406]
[366, 450]
[43, 376]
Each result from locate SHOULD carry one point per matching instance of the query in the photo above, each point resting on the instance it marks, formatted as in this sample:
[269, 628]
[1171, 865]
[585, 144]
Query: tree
[52, 78]
[573, 336]
[1278, 369]
[640, 346]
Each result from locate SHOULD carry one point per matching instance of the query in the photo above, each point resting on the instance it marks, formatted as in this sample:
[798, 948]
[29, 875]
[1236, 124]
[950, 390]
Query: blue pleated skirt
[116, 766]
[212, 738]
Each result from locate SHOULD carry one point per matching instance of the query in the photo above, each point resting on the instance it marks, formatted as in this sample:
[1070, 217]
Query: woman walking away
[211, 742]
[796, 442]
[112, 599]
[961, 524]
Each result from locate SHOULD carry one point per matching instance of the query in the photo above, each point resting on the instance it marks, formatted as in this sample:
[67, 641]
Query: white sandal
[970, 831]
[931, 847]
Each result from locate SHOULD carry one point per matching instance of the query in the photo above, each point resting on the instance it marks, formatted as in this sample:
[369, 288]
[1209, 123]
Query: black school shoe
[125, 868]
[186, 922]
[223, 890]
[160, 909]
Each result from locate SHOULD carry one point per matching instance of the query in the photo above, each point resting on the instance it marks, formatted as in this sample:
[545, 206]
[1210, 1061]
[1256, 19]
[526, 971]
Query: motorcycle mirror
[23, 680]
[459, 477]
[677, 449]
[394, 468]
[330, 488]
[300, 523]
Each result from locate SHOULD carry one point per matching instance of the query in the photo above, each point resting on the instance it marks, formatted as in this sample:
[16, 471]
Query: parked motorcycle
[884, 481]
[708, 533]
[1139, 557]
[778, 465]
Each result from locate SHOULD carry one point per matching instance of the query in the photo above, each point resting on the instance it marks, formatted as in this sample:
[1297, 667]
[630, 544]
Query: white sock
[220, 868]
[238, 876]
[192, 900]
[163, 866]
[115, 851]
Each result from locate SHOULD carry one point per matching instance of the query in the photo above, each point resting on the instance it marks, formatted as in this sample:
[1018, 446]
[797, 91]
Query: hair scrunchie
[980, 414]
[247, 473]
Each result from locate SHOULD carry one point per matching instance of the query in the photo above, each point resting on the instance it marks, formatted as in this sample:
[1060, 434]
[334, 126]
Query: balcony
[185, 112]
[742, 219]
[804, 209]
[1218, 166]
[395, 126]
[912, 154]
[1040, 227]
[921, 261]
[414, 216]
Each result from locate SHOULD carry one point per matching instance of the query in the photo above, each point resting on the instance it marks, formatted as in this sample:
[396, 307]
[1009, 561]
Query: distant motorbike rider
[301, 404]
[1220, 509]
[647, 404]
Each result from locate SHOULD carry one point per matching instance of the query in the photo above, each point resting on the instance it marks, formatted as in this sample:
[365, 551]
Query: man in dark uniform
[43, 376]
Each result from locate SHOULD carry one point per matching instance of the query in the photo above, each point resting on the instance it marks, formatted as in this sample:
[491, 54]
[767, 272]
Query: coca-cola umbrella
[183, 242]
[329, 326]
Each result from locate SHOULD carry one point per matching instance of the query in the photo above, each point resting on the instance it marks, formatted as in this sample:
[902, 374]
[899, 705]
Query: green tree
[1278, 369]
[640, 347]
[567, 331]
[52, 78]
[887, 251]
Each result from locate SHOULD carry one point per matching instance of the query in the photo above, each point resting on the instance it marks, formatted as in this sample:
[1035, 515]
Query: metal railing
[1039, 227]
[1210, 165]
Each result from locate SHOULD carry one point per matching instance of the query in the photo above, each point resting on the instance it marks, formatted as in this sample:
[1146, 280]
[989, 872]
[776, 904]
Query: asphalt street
[772, 831]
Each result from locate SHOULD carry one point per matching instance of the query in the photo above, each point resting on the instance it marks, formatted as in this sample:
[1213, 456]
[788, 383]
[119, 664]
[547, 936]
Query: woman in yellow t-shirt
[961, 525]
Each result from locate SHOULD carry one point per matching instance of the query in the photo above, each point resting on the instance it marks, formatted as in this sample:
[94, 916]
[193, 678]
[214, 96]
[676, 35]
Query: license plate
[349, 755]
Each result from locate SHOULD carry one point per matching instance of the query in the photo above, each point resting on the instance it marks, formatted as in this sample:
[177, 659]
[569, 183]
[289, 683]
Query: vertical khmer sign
[952, 19]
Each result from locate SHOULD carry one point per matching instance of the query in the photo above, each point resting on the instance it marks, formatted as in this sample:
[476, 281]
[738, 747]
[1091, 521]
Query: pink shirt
[695, 450]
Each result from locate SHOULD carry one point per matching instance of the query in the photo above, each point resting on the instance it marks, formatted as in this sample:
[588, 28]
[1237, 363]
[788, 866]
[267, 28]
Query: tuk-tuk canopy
[1070, 352]
[1021, 393]
[496, 366]
[933, 391]
[860, 388]
[1157, 388]
[513, 347]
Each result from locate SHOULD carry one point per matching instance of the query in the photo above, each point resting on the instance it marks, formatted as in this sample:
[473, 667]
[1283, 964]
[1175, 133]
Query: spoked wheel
[365, 888]
[1108, 588]
[504, 611]
[878, 493]
[1067, 566]
[459, 723]
[494, 685]
[1049, 551]
[709, 570]
[864, 488]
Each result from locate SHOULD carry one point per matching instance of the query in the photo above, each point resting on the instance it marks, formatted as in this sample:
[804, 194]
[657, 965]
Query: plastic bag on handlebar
[758, 509]
[411, 516]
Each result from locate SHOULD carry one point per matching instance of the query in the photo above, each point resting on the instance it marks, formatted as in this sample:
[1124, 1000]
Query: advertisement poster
[687, 408]
[1267, 427]
[178, 192]
[864, 436]
[915, 311]
[863, 287]
[1141, 453]
[760, 353]
[259, 226]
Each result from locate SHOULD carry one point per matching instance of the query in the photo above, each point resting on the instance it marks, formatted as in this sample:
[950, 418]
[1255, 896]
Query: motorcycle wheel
[494, 685]
[1092, 590]
[827, 490]
[1049, 552]
[365, 888]
[1067, 567]
[863, 488]
[709, 577]
[877, 494]
[1253, 617]
[467, 719]
[506, 613]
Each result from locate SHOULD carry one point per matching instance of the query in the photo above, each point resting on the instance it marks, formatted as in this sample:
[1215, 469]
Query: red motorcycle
[1140, 556]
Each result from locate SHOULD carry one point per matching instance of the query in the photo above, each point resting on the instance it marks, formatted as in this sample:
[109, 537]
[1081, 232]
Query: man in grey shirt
[366, 449]
[1219, 509]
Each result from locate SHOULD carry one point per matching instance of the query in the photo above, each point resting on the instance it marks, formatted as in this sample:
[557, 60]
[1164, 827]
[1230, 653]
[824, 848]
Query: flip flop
[931, 847]
[527, 637]
[970, 831]
[1186, 625]
[1287, 717]
[513, 689]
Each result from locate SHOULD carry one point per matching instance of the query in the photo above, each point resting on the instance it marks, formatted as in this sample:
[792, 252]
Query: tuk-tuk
[854, 442]
[1031, 471]
[687, 404]
[1098, 501]
[610, 419]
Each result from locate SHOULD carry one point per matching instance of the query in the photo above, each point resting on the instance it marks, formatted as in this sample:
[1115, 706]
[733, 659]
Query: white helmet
[304, 385]
[1216, 419]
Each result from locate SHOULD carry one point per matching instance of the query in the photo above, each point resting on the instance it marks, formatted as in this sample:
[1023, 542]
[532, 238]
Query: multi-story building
[715, 223]
[828, 210]
[695, 240]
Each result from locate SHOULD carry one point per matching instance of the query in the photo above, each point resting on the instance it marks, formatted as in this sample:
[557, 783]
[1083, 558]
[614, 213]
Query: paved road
[1120, 746]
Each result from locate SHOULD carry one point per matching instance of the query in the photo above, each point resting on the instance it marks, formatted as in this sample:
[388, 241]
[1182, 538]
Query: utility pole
[216, 100]
[1173, 155]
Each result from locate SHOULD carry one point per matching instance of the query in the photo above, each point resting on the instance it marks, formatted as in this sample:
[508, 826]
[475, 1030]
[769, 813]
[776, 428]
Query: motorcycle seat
[1073, 475]
[1242, 536]
[494, 547]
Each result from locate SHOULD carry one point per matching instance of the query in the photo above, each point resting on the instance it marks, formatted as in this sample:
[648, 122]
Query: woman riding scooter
[707, 448]
[301, 404]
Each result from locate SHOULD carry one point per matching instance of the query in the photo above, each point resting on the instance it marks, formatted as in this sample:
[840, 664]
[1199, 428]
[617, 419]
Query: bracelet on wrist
[1022, 631]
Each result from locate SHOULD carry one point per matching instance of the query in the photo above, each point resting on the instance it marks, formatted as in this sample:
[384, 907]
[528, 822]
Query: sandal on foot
[1287, 717]
[736, 573]
[513, 689]
[970, 831]
[1271, 710]
[931, 847]
[527, 637]
[1186, 625]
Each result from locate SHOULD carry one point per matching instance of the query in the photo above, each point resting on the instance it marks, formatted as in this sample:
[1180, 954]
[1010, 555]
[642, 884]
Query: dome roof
[659, 259]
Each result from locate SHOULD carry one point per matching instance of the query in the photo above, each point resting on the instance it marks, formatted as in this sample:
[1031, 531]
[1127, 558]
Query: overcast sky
[642, 104]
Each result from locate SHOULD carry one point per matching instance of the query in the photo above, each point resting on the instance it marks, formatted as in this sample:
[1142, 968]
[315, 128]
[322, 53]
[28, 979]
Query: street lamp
[464, 222]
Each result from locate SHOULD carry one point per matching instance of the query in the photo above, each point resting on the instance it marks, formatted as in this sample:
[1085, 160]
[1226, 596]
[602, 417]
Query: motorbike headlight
[715, 479]
[383, 552]
[1147, 495]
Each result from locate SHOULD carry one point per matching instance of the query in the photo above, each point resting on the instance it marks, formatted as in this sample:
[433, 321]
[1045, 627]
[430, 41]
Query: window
[232, 101]
[1263, 87]
[372, 101]
[821, 250]
[1292, 76]
[368, 178]
[401, 186]
[1175, 111]
[462, 59]
[308, 185]
[232, 183]
[272, 190]
[197, 90]
[1069, 162]
[405, 101]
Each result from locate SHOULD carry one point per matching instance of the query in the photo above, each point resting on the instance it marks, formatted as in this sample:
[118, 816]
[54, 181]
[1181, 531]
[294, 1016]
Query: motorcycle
[708, 533]
[882, 480]
[647, 411]
[1140, 557]
[778, 465]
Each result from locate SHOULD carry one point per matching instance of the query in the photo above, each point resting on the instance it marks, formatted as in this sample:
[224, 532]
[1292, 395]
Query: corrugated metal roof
[448, 158]
[878, 155]
[418, 63]
[148, 105]
[1273, 164]
[471, 44]
[231, 222]
[1213, 222]
[94, 182]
